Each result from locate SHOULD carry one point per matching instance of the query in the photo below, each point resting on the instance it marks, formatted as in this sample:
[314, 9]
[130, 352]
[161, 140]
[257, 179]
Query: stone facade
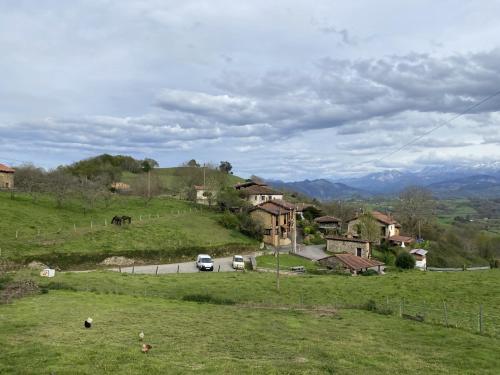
[6, 180]
[353, 246]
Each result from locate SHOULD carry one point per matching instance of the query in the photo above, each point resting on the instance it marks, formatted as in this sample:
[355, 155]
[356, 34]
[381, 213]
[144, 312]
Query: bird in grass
[88, 323]
[146, 348]
[141, 335]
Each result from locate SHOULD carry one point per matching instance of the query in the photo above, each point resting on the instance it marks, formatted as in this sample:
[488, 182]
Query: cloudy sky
[282, 89]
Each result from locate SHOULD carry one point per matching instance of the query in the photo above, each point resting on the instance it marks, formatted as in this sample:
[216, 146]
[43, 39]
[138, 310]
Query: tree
[147, 186]
[229, 198]
[312, 212]
[368, 228]
[192, 163]
[415, 208]
[405, 261]
[30, 179]
[225, 167]
[61, 184]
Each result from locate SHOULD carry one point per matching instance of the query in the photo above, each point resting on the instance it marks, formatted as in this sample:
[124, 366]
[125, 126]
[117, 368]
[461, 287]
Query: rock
[36, 265]
[118, 261]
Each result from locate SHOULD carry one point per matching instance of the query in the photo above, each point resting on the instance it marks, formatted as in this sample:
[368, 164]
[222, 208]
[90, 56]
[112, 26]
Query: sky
[281, 89]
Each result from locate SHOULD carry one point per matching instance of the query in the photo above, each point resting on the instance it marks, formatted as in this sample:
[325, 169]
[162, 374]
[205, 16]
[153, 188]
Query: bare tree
[369, 228]
[30, 179]
[415, 208]
[147, 186]
[61, 184]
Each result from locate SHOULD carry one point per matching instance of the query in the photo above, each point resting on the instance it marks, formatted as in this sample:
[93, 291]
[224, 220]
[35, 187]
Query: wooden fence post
[156, 270]
[445, 314]
[120, 269]
[133, 268]
[480, 322]
[178, 268]
[218, 270]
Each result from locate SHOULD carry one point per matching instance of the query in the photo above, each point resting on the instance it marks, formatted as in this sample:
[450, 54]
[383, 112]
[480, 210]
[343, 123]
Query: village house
[351, 263]
[204, 195]
[257, 193]
[278, 220]
[388, 226]
[6, 177]
[354, 246]
[420, 256]
[328, 224]
[401, 241]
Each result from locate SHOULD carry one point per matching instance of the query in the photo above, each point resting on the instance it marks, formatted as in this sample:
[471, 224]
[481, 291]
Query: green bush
[228, 220]
[369, 272]
[207, 298]
[405, 261]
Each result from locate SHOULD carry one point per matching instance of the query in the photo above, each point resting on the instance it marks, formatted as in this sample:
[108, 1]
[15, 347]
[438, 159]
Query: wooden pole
[445, 314]
[133, 268]
[278, 252]
[178, 268]
[480, 319]
[156, 273]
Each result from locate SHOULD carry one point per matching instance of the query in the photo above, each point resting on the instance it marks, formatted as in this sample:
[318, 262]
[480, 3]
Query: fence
[464, 268]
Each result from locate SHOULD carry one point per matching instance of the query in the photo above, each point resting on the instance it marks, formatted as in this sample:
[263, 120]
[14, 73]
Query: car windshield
[238, 259]
[206, 260]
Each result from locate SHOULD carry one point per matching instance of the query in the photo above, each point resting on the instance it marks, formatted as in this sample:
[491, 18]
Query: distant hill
[480, 186]
[321, 189]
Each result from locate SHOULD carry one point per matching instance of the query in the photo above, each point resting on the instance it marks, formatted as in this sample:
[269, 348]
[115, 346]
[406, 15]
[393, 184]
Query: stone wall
[6, 180]
[348, 246]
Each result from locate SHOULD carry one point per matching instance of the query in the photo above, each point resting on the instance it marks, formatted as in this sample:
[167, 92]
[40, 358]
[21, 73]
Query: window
[267, 232]
[263, 197]
[255, 197]
[359, 252]
[285, 220]
[6, 184]
[277, 220]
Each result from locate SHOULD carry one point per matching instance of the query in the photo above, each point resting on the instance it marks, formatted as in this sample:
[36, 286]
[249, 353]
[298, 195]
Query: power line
[464, 112]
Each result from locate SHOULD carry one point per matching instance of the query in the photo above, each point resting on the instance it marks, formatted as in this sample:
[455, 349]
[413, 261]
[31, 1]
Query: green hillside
[165, 228]
[174, 178]
[246, 327]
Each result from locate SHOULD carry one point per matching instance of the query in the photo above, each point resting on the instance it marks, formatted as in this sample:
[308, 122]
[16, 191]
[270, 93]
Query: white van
[204, 262]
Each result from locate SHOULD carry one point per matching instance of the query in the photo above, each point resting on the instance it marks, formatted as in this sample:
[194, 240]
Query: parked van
[204, 262]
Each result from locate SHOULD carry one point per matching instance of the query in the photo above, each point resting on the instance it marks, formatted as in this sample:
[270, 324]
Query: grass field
[166, 226]
[44, 333]
[286, 262]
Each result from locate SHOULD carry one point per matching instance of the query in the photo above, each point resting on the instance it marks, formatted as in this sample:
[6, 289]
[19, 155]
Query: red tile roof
[6, 169]
[327, 219]
[354, 262]
[259, 190]
[282, 203]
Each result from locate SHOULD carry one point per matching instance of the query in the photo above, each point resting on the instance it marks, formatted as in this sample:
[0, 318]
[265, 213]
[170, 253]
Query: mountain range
[482, 180]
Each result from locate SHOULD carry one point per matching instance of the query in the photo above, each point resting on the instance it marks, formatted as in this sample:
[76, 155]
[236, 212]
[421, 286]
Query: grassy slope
[45, 331]
[170, 179]
[172, 230]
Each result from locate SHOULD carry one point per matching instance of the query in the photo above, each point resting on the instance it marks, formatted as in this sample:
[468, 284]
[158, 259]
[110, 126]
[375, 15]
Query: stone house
[278, 220]
[354, 246]
[257, 193]
[6, 177]
[388, 226]
[328, 224]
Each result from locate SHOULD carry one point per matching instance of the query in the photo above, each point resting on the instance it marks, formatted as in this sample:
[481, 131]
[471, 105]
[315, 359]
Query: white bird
[141, 335]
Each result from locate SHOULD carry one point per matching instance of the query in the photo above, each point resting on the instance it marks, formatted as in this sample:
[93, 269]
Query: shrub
[207, 298]
[369, 272]
[405, 261]
[228, 220]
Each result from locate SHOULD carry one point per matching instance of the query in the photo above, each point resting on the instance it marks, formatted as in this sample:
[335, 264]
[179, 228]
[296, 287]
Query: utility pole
[149, 184]
[203, 175]
[278, 252]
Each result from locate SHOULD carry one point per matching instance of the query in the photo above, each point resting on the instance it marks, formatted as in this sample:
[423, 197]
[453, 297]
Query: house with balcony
[256, 193]
[277, 217]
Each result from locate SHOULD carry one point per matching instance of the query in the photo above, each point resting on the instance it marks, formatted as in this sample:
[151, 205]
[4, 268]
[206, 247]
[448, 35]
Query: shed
[420, 256]
[351, 263]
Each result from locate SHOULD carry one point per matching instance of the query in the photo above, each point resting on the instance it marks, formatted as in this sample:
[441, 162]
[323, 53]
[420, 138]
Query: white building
[420, 256]
[257, 193]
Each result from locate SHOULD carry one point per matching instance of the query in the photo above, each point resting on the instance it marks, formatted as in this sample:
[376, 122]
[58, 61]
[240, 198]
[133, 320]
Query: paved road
[313, 252]
[186, 267]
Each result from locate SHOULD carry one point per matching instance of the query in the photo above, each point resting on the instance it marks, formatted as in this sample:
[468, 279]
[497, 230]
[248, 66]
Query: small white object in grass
[48, 272]
[141, 335]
